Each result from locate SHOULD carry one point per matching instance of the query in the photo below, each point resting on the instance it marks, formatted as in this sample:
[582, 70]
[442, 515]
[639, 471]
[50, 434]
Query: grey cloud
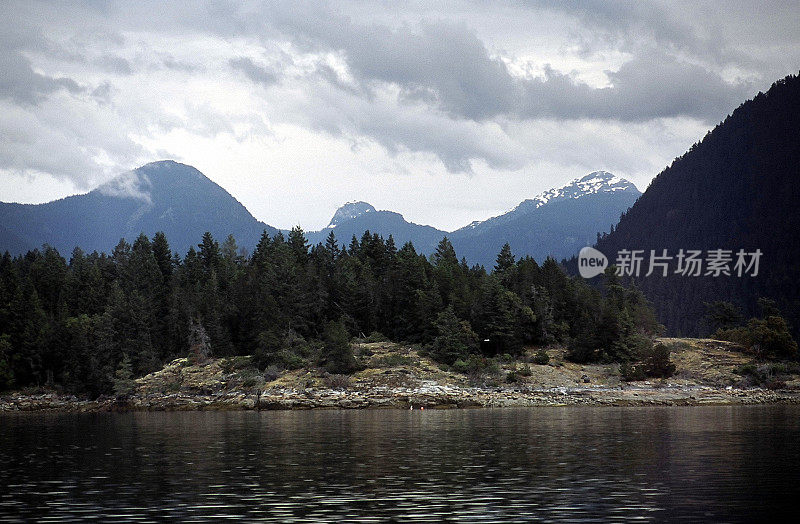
[441, 62]
[71, 143]
[456, 95]
[114, 64]
[456, 143]
[23, 85]
[102, 93]
[255, 72]
[178, 65]
[648, 87]
[671, 25]
[449, 67]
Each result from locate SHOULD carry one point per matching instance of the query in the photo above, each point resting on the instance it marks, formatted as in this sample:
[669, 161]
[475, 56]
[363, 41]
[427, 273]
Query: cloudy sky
[444, 111]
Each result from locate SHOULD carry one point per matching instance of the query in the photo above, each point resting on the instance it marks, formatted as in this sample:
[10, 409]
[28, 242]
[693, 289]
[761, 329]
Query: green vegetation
[455, 339]
[123, 382]
[541, 357]
[771, 376]
[767, 336]
[337, 353]
[84, 325]
[618, 327]
[652, 362]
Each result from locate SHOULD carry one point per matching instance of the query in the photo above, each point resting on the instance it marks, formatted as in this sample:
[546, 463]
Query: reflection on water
[718, 463]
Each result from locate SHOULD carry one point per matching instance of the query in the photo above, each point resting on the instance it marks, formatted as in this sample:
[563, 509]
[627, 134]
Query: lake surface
[672, 463]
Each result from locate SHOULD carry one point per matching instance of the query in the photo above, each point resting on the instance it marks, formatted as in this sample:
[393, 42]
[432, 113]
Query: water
[697, 463]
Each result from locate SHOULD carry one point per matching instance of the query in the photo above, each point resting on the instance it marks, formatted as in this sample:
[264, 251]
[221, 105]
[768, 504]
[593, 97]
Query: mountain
[556, 223]
[739, 188]
[160, 196]
[356, 217]
[350, 211]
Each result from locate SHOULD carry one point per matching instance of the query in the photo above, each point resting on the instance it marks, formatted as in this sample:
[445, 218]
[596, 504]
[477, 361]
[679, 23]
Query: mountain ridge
[181, 201]
[481, 240]
[159, 196]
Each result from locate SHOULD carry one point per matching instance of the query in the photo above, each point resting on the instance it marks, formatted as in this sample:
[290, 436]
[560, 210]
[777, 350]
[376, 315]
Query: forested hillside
[738, 188]
[90, 322]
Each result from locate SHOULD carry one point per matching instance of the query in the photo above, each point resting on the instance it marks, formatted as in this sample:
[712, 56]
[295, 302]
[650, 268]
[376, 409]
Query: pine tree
[6, 366]
[455, 339]
[337, 354]
[298, 244]
[505, 259]
[163, 256]
[209, 253]
[124, 386]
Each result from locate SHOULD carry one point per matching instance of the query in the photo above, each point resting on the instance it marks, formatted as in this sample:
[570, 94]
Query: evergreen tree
[505, 259]
[337, 355]
[455, 339]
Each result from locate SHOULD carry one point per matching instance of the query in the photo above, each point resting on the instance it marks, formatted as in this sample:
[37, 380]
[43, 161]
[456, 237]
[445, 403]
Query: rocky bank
[396, 376]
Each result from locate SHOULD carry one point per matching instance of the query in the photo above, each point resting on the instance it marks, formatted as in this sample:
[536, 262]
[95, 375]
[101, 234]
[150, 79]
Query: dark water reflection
[709, 463]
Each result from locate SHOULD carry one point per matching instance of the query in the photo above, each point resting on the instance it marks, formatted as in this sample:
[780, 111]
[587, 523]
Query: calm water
[711, 463]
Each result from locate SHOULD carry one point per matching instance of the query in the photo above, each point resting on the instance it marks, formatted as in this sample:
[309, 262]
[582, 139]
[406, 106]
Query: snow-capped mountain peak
[350, 211]
[593, 183]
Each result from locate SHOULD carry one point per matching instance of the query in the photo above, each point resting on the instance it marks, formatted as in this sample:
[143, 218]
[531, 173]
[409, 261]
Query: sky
[446, 112]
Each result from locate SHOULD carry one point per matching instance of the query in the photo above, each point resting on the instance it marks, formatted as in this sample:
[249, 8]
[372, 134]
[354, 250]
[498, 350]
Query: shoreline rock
[427, 396]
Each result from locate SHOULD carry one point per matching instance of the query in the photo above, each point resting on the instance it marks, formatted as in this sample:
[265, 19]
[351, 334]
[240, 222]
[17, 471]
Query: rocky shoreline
[428, 396]
[396, 376]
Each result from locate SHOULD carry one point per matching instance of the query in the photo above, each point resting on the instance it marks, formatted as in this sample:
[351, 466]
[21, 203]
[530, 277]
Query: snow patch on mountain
[349, 211]
[591, 184]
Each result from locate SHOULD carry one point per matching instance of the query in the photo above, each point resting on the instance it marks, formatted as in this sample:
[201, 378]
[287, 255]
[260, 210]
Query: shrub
[541, 357]
[745, 370]
[376, 336]
[771, 376]
[654, 363]
[775, 383]
[476, 364]
[657, 362]
[768, 336]
[336, 381]
[630, 372]
[231, 364]
[461, 366]
[272, 373]
[392, 360]
[771, 336]
[282, 349]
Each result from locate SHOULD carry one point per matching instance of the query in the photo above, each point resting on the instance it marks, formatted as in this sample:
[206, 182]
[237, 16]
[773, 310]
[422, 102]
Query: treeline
[84, 323]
